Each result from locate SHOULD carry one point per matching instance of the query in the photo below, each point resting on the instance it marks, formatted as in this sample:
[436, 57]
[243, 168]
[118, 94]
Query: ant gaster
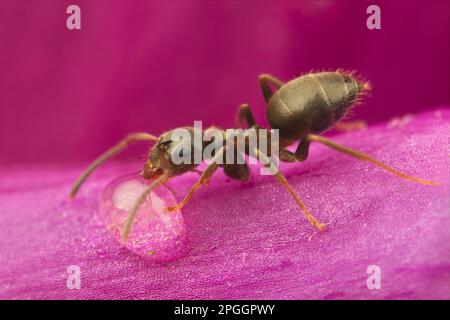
[300, 109]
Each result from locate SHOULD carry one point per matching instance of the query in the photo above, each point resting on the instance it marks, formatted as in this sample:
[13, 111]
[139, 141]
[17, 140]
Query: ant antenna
[108, 154]
[132, 215]
[165, 166]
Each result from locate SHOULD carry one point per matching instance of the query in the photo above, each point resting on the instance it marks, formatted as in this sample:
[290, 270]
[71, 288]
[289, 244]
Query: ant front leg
[167, 173]
[264, 81]
[203, 181]
[245, 113]
[300, 154]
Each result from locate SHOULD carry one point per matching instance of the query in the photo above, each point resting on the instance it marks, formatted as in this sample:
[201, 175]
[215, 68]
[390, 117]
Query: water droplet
[157, 235]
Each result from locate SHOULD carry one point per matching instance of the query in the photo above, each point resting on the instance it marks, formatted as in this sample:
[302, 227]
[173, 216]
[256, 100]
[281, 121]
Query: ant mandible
[300, 109]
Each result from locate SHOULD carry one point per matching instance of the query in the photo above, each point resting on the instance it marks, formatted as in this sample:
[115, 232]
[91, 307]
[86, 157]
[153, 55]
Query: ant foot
[174, 208]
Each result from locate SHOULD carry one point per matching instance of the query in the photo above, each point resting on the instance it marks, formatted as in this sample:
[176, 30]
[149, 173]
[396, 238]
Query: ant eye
[164, 145]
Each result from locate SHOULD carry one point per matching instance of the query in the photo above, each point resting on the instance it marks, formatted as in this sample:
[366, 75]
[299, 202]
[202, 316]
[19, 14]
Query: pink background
[137, 65]
[65, 96]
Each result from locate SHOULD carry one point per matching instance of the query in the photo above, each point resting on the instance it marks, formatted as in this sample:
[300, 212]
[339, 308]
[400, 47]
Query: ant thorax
[193, 145]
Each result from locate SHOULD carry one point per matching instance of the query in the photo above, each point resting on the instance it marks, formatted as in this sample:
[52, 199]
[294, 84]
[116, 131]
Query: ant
[300, 109]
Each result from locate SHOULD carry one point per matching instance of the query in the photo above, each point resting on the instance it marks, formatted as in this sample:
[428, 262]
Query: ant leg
[203, 181]
[162, 179]
[244, 113]
[264, 81]
[300, 154]
[350, 125]
[132, 214]
[239, 169]
[282, 179]
[364, 157]
[133, 137]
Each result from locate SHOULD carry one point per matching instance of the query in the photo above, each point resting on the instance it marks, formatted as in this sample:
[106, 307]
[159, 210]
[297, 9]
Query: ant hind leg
[264, 81]
[364, 157]
[300, 154]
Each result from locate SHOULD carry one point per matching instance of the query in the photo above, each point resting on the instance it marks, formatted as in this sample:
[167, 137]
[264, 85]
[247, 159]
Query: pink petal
[249, 240]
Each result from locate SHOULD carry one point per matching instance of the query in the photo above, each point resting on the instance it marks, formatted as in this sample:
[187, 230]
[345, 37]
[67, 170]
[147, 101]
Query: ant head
[163, 155]
[151, 170]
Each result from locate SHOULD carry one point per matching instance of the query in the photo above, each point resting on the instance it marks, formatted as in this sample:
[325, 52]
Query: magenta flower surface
[249, 241]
